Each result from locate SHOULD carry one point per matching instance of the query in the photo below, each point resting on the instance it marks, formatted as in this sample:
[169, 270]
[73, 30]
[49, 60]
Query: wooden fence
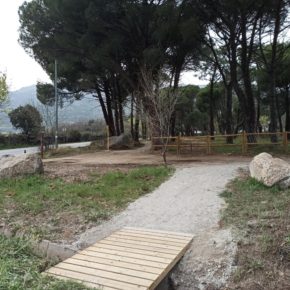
[234, 143]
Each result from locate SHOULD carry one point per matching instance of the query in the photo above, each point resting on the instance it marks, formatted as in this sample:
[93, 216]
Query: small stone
[252, 223]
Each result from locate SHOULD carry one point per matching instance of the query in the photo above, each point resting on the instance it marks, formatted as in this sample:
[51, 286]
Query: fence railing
[234, 143]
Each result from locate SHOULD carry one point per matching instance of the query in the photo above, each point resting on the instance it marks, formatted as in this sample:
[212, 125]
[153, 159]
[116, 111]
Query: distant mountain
[82, 110]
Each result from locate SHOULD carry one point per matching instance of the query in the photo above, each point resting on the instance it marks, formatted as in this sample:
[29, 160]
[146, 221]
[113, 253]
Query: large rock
[124, 141]
[20, 165]
[269, 170]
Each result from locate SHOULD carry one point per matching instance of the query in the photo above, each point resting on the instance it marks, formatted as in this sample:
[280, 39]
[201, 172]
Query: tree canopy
[115, 49]
[27, 119]
[3, 89]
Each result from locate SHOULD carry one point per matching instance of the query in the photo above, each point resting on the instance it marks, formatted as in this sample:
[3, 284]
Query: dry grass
[261, 216]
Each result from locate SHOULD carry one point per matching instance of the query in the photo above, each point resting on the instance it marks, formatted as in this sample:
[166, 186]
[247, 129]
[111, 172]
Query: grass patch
[262, 217]
[55, 209]
[20, 268]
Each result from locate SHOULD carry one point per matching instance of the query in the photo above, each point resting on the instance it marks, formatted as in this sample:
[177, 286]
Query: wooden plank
[153, 238]
[124, 259]
[129, 259]
[144, 243]
[135, 251]
[129, 255]
[113, 269]
[104, 274]
[114, 263]
[98, 281]
[175, 234]
[147, 238]
[88, 284]
[137, 246]
[158, 234]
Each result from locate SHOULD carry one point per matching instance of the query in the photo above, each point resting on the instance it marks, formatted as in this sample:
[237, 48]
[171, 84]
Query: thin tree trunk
[132, 116]
[136, 128]
[177, 73]
[287, 110]
[278, 113]
[120, 107]
[211, 106]
[273, 114]
[229, 114]
[259, 126]
[273, 71]
[121, 119]
[144, 129]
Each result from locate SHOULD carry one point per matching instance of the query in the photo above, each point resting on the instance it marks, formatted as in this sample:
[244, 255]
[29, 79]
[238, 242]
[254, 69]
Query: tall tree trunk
[120, 106]
[117, 119]
[229, 114]
[259, 126]
[108, 121]
[115, 103]
[177, 72]
[246, 54]
[136, 128]
[132, 116]
[287, 110]
[278, 113]
[273, 111]
[121, 119]
[211, 106]
[273, 70]
[109, 108]
[144, 129]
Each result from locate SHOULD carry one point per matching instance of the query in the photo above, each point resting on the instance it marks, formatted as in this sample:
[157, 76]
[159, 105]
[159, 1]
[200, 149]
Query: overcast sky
[20, 68]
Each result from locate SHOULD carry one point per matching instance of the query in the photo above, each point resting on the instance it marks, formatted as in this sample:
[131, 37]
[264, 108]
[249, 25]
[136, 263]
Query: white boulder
[269, 170]
[13, 166]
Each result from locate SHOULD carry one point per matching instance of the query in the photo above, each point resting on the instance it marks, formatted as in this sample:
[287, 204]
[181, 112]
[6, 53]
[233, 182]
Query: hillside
[83, 110]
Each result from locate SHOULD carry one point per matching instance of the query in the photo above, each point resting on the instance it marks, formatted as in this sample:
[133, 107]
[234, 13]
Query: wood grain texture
[130, 259]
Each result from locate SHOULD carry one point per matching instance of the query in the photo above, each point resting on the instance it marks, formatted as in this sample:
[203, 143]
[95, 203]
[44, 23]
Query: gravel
[188, 202]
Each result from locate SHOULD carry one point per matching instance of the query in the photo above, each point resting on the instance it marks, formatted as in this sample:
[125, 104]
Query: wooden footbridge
[129, 259]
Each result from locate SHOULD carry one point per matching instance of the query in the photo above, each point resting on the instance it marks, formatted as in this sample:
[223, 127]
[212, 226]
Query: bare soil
[78, 166]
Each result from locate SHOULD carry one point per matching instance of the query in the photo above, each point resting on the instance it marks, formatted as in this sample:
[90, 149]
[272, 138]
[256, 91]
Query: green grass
[20, 269]
[48, 207]
[249, 199]
[261, 216]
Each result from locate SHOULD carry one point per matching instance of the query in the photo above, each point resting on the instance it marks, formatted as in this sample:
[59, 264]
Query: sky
[21, 69]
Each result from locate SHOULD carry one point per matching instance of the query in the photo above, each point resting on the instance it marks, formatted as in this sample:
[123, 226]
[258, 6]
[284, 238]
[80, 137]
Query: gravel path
[188, 202]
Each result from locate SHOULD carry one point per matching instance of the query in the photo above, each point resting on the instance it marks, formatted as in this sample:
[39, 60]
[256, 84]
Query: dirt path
[188, 202]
